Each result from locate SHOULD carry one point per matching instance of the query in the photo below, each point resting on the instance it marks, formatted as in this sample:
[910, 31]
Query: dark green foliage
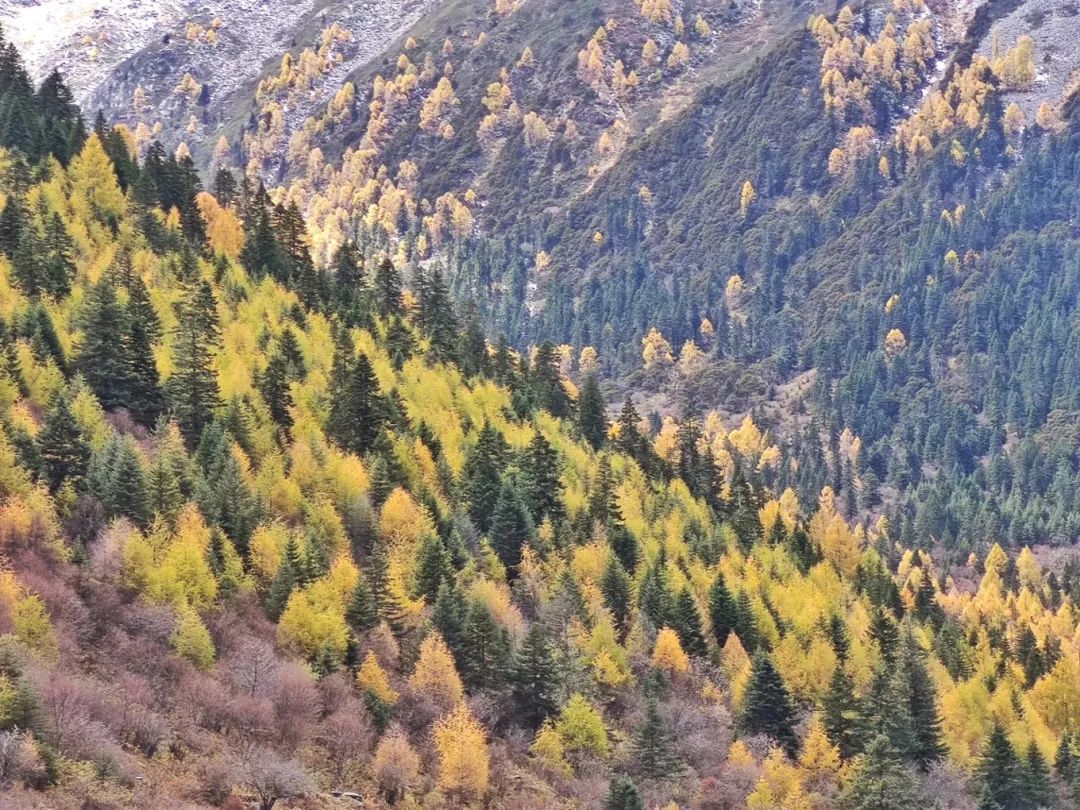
[623, 795]
[653, 745]
[511, 527]
[482, 476]
[485, 649]
[547, 384]
[387, 289]
[842, 714]
[102, 359]
[767, 706]
[535, 677]
[64, 450]
[192, 389]
[686, 621]
[592, 419]
[357, 411]
[362, 613]
[1000, 775]
[433, 567]
[879, 781]
[722, 612]
[542, 481]
[617, 589]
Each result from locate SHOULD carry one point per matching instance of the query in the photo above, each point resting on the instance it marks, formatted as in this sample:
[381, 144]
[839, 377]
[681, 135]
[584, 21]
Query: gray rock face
[108, 48]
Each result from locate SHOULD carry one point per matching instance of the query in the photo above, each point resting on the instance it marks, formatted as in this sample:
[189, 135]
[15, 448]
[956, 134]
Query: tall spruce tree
[999, 774]
[653, 745]
[879, 781]
[623, 795]
[192, 389]
[64, 450]
[511, 527]
[686, 621]
[722, 614]
[103, 358]
[535, 677]
[592, 419]
[767, 706]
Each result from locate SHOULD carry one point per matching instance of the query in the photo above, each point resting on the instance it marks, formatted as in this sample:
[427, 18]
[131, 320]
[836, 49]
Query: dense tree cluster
[271, 526]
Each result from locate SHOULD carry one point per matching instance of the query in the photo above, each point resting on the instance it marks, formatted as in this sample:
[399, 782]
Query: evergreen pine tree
[618, 594]
[357, 413]
[362, 613]
[64, 450]
[485, 649]
[542, 481]
[103, 359]
[722, 612]
[547, 383]
[999, 775]
[653, 745]
[193, 389]
[927, 745]
[387, 289]
[592, 419]
[767, 706]
[145, 401]
[879, 781]
[125, 491]
[433, 567]
[686, 621]
[623, 795]
[448, 616]
[842, 715]
[511, 527]
[1038, 789]
[534, 677]
[482, 475]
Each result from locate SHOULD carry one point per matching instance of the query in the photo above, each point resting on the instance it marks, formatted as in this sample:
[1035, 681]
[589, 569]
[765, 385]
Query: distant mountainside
[787, 522]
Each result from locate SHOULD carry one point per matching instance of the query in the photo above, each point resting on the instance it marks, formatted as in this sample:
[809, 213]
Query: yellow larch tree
[464, 760]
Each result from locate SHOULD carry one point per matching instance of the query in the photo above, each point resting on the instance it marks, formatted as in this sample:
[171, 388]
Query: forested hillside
[284, 531]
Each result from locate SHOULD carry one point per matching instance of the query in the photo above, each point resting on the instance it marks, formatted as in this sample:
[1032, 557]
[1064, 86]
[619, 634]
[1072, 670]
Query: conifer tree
[362, 613]
[767, 706]
[144, 329]
[387, 289]
[485, 649]
[879, 781]
[592, 419]
[1038, 789]
[58, 263]
[686, 621]
[654, 594]
[653, 745]
[193, 389]
[841, 714]
[623, 795]
[473, 349]
[482, 475]
[449, 615]
[999, 774]
[125, 491]
[64, 450]
[629, 440]
[547, 384]
[357, 413]
[103, 359]
[617, 590]
[511, 527]
[921, 703]
[745, 622]
[722, 612]
[542, 481]
[534, 677]
[433, 567]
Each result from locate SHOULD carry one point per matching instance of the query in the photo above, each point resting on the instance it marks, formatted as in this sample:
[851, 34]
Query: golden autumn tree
[435, 675]
[464, 761]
